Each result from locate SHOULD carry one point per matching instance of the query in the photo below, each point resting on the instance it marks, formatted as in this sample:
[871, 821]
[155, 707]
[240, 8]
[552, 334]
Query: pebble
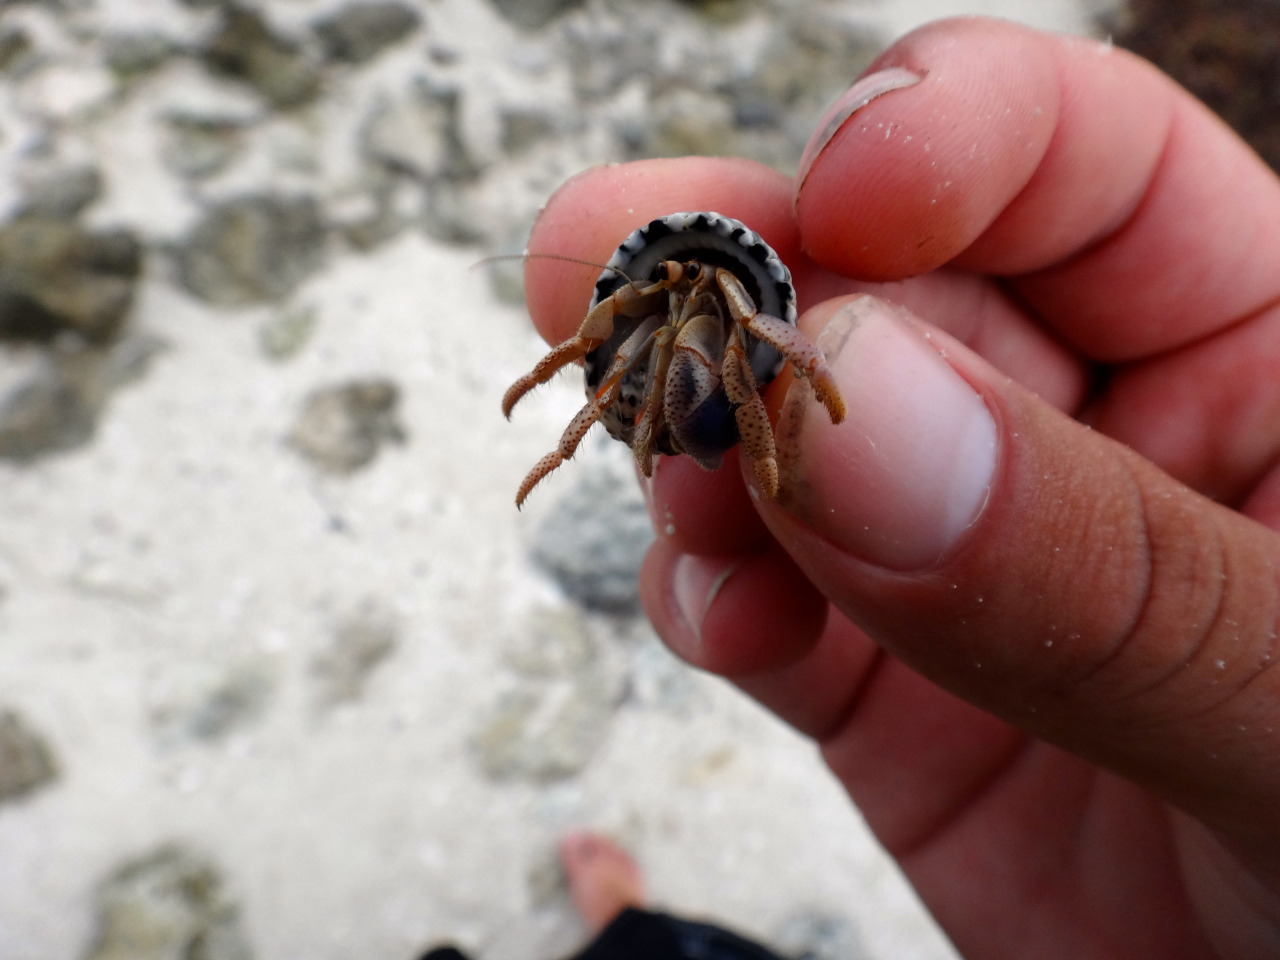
[253, 249]
[168, 904]
[343, 427]
[57, 277]
[26, 759]
[358, 32]
[594, 538]
[247, 49]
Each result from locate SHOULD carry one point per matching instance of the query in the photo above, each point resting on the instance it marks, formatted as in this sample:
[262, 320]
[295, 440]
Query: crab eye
[693, 270]
[670, 271]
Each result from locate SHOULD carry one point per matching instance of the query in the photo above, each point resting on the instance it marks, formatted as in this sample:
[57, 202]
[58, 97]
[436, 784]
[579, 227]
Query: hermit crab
[693, 314]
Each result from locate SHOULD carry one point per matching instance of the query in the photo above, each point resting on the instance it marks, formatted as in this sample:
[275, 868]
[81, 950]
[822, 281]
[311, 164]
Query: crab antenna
[499, 258]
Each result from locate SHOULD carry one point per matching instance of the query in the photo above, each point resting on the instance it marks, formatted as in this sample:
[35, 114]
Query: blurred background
[283, 673]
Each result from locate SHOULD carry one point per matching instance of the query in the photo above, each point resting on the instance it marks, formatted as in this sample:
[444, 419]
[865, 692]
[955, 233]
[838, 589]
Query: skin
[1098, 259]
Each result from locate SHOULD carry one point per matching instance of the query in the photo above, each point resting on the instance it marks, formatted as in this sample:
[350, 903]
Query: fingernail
[911, 467]
[696, 582]
[852, 100]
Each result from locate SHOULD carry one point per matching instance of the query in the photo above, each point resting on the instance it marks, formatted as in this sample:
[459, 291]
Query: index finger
[1125, 214]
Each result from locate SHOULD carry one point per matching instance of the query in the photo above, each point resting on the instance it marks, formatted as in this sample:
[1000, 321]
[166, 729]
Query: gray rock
[54, 409]
[16, 48]
[26, 760]
[210, 705]
[543, 734]
[418, 135]
[533, 14]
[604, 54]
[57, 403]
[62, 193]
[553, 644]
[818, 936]
[569, 685]
[360, 31]
[57, 276]
[524, 126]
[550, 725]
[377, 210]
[449, 214]
[253, 249]
[247, 49]
[171, 904]
[285, 333]
[360, 644]
[814, 56]
[594, 539]
[684, 122]
[342, 428]
[197, 147]
[131, 55]
[721, 12]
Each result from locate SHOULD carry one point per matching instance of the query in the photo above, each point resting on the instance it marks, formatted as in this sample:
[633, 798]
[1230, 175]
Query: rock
[549, 726]
[286, 332]
[54, 409]
[552, 644]
[606, 53]
[247, 49]
[343, 427]
[197, 147]
[533, 14]
[544, 734]
[56, 404]
[525, 126]
[449, 214]
[26, 760]
[816, 936]
[168, 905]
[61, 193]
[57, 276]
[253, 249]
[16, 48]
[684, 122]
[211, 704]
[720, 12]
[594, 539]
[375, 210]
[359, 645]
[418, 135]
[360, 31]
[131, 55]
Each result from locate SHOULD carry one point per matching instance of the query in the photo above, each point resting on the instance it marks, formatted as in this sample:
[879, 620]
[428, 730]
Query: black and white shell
[712, 239]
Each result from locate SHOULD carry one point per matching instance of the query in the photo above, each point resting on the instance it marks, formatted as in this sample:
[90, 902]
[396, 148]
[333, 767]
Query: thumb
[1036, 568]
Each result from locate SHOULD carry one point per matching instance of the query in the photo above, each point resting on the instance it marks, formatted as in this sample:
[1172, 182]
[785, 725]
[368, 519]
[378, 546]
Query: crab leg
[805, 356]
[586, 417]
[595, 329]
[753, 420]
[569, 440]
[651, 414]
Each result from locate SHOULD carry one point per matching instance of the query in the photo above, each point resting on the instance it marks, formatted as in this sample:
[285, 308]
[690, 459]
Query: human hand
[1025, 597]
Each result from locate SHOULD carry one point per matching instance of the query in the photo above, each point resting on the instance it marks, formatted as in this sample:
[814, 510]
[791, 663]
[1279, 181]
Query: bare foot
[603, 879]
